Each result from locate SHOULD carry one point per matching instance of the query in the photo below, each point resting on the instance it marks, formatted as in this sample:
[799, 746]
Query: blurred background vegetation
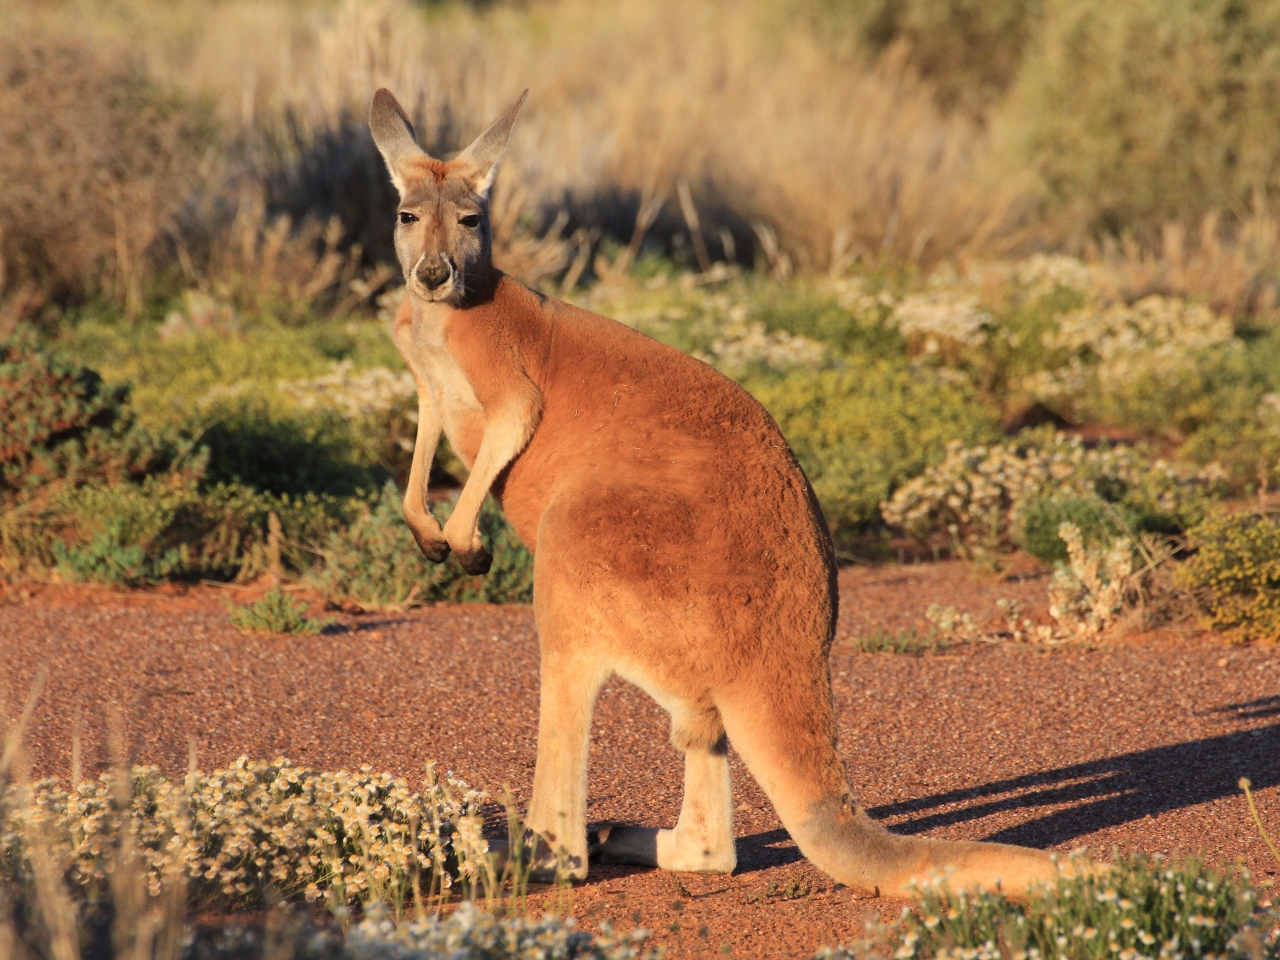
[900, 223]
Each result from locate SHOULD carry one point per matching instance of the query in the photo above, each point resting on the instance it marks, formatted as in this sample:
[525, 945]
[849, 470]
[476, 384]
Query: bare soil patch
[1134, 745]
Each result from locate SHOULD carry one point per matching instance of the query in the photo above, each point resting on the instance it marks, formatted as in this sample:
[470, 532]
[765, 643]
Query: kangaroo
[677, 543]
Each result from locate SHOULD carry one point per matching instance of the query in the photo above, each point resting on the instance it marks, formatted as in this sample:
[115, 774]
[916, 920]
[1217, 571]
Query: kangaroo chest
[462, 417]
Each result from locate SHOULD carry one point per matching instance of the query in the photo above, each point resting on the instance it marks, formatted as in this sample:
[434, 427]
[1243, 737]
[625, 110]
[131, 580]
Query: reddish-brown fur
[677, 543]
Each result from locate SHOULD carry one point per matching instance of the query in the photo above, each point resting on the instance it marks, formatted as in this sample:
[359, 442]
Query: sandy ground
[1135, 745]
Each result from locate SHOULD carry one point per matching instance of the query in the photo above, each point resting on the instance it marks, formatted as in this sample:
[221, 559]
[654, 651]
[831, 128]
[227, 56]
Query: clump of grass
[877, 639]
[276, 612]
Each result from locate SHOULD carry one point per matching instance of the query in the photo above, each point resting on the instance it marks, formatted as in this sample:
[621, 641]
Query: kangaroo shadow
[1112, 791]
[770, 848]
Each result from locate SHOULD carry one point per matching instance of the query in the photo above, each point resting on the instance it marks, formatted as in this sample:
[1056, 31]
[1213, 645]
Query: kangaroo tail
[785, 732]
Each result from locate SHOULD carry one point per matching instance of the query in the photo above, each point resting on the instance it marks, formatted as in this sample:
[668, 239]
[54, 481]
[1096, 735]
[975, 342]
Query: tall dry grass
[834, 157]
[766, 130]
[96, 164]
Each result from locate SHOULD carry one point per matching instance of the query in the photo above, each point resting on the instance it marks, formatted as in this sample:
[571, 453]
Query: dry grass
[751, 128]
[96, 165]
[836, 158]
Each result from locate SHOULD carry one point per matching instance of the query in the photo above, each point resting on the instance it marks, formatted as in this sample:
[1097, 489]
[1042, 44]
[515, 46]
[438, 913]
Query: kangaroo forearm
[504, 437]
[426, 529]
[424, 451]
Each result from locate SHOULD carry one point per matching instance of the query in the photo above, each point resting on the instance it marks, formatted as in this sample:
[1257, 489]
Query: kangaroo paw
[437, 551]
[475, 561]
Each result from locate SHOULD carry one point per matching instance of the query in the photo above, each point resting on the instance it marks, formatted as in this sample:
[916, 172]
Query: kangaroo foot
[540, 860]
[665, 849]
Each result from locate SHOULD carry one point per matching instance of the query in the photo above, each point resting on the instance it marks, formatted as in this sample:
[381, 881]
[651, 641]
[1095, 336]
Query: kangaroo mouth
[447, 291]
[437, 289]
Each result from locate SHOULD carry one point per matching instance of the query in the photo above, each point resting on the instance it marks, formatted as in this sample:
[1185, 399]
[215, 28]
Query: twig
[1245, 784]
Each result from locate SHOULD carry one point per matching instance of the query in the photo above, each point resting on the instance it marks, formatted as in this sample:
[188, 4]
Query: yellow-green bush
[867, 427]
[1235, 573]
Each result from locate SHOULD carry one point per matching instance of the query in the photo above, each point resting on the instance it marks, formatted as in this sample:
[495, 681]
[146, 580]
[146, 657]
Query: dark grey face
[443, 236]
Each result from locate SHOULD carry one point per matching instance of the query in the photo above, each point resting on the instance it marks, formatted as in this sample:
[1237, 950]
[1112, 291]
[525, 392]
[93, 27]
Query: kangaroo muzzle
[434, 274]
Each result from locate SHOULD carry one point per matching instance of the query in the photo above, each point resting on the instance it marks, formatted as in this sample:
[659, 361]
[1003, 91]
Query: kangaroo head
[443, 234]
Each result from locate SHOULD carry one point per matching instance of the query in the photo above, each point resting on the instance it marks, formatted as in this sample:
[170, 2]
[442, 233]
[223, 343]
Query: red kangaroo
[677, 544]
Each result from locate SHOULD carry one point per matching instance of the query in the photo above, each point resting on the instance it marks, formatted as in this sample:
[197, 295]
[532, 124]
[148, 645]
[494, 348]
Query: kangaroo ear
[479, 162]
[393, 133]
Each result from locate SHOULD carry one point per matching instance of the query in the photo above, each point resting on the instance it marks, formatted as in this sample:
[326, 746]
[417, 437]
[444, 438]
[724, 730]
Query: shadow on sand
[1102, 793]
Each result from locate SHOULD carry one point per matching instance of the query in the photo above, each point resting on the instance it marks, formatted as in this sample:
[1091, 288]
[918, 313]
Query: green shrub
[376, 564]
[276, 612]
[848, 315]
[114, 558]
[295, 455]
[1140, 908]
[1236, 573]
[862, 430]
[60, 425]
[1098, 521]
[166, 527]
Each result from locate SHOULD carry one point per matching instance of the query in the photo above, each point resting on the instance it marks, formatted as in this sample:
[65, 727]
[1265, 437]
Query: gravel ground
[1136, 745]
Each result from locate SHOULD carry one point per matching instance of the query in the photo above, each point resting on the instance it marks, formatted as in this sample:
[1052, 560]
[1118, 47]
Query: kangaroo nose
[434, 274]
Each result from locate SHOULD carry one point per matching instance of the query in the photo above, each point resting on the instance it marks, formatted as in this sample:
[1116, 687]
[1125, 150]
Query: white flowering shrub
[930, 321]
[1089, 592]
[975, 498]
[1139, 910]
[472, 934]
[720, 327]
[742, 346]
[1038, 276]
[254, 826]
[1138, 365]
[357, 394]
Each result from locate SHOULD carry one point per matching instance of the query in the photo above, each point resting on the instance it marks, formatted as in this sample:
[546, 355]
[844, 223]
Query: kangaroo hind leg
[702, 840]
[557, 815]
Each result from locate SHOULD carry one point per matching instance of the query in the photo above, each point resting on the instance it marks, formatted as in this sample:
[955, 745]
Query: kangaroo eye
[470, 221]
[407, 217]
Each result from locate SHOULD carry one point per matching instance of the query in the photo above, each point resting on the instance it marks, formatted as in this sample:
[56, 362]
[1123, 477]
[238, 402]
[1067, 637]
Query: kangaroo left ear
[478, 164]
